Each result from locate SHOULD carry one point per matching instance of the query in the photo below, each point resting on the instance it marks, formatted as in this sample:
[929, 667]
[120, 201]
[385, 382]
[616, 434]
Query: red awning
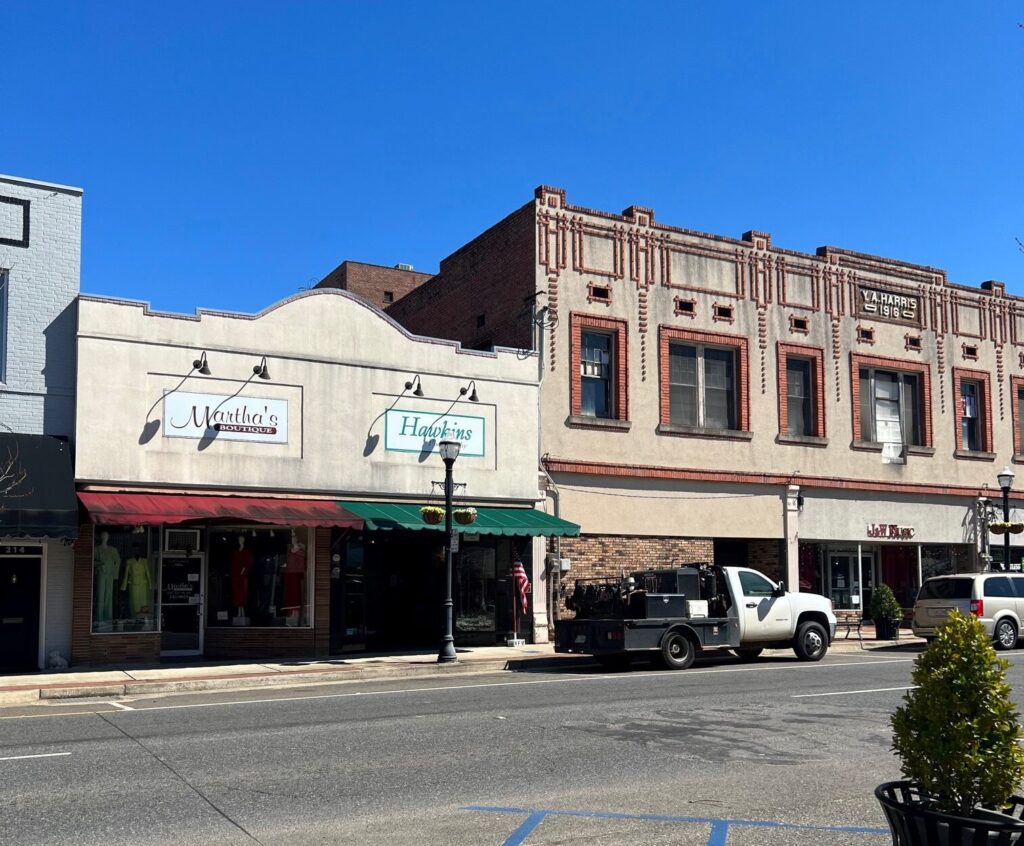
[136, 509]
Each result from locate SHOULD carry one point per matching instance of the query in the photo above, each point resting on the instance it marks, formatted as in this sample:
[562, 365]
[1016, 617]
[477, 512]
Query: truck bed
[612, 635]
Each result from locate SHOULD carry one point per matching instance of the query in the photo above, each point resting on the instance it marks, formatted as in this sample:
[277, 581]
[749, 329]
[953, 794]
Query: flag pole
[515, 615]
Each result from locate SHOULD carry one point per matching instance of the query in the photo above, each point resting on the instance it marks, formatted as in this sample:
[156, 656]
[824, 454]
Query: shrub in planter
[958, 738]
[886, 612]
[432, 514]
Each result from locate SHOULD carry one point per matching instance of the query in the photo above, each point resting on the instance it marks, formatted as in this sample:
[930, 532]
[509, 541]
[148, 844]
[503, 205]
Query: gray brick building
[40, 258]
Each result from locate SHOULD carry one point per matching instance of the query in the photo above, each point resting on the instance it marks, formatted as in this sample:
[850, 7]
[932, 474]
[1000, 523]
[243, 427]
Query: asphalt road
[707, 756]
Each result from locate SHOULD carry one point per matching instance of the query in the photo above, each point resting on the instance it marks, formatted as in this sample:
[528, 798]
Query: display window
[258, 577]
[125, 579]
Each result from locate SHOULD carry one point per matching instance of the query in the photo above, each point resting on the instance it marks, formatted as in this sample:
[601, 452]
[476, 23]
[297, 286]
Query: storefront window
[125, 579]
[258, 577]
[475, 584]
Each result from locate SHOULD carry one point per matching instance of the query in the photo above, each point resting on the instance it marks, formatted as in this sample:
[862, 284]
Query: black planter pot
[887, 629]
[913, 822]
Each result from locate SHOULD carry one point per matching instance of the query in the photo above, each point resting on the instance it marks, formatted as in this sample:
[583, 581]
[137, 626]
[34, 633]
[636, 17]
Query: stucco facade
[651, 297]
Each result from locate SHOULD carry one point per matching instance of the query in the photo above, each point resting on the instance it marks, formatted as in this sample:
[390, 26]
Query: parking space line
[44, 755]
[851, 692]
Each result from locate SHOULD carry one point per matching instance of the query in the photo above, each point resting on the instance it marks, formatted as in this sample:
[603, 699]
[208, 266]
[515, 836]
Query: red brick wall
[370, 281]
[817, 355]
[985, 400]
[598, 556]
[767, 556]
[492, 276]
[667, 334]
[620, 360]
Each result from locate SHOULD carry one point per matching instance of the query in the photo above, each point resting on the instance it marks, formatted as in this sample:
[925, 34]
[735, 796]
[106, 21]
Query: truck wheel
[614, 662]
[748, 654]
[811, 642]
[677, 652]
[1005, 634]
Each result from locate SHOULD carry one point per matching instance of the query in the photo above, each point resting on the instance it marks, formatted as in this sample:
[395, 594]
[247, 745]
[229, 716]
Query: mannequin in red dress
[295, 576]
[241, 567]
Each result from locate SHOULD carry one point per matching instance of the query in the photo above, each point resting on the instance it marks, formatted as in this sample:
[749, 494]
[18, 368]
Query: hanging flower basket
[999, 527]
[432, 514]
[464, 516]
[1016, 528]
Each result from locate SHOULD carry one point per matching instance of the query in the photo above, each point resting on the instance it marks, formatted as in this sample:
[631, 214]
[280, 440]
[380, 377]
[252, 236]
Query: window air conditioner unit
[892, 453]
[181, 540]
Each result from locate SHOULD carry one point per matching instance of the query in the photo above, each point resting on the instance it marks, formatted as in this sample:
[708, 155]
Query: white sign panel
[228, 418]
[416, 431]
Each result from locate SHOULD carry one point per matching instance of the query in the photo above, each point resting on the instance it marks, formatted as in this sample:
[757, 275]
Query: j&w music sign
[890, 531]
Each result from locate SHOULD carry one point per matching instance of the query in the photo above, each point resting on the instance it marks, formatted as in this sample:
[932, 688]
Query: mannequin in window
[138, 581]
[241, 567]
[295, 577]
[106, 562]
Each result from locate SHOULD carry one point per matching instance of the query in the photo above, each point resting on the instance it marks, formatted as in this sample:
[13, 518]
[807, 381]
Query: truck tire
[811, 642]
[1005, 634]
[677, 651]
[748, 654]
[615, 662]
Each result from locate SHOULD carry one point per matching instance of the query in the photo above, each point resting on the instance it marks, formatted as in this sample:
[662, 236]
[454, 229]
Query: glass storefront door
[842, 574]
[181, 605]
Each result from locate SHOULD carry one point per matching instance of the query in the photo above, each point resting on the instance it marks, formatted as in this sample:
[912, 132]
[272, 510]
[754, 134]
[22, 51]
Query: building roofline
[36, 183]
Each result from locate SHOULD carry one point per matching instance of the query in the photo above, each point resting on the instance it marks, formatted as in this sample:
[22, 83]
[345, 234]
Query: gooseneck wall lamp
[449, 452]
[261, 369]
[466, 389]
[419, 386]
[200, 364]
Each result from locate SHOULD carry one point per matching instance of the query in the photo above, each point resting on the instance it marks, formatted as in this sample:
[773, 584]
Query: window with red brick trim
[599, 362]
[801, 380]
[892, 400]
[703, 377]
[972, 402]
[1017, 412]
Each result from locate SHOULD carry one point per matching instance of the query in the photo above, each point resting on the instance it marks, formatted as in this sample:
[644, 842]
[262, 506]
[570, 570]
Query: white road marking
[561, 680]
[119, 705]
[26, 757]
[851, 692]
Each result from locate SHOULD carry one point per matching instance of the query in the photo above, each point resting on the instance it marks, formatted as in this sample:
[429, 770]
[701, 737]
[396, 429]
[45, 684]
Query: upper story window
[973, 419]
[970, 414]
[4, 283]
[890, 407]
[799, 396]
[801, 391]
[598, 394]
[702, 386]
[596, 369]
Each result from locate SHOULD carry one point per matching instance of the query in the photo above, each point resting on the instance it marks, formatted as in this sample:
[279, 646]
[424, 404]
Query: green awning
[382, 516]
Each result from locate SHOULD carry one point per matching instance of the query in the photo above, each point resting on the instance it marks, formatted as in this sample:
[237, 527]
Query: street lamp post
[1005, 481]
[449, 452]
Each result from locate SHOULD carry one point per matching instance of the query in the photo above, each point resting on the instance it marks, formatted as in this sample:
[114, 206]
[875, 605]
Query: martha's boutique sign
[229, 418]
[873, 302]
[416, 431]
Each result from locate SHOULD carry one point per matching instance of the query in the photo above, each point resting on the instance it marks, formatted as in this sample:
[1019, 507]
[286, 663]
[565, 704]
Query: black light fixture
[419, 386]
[449, 452]
[465, 390]
[261, 369]
[200, 364]
[1005, 482]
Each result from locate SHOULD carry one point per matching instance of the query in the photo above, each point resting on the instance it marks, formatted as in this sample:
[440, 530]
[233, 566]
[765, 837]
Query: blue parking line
[717, 837]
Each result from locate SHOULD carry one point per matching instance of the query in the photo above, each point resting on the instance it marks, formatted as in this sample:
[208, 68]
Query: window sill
[700, 432]
[801, 440]
[599, 423]
[875, 446]
[974, 455]
[1017, 459]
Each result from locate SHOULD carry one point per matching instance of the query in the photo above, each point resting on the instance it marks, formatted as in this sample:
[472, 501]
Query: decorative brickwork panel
[620, 361]
[984, 381]
[668, 334]
[897, 364]
[817, 357]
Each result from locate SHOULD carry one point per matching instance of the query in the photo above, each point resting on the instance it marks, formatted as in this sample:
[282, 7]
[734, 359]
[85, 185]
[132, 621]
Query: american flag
[522, 582]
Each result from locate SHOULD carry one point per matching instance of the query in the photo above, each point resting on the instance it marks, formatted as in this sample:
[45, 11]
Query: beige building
[254, 482]
[832, 418]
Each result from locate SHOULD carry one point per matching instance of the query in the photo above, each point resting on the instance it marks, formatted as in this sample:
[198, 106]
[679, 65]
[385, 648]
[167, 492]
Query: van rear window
[946, 589]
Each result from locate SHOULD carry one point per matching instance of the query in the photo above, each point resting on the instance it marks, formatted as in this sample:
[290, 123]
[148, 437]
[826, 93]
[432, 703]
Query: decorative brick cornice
[817, 357]
[740, 343]
[900, 365]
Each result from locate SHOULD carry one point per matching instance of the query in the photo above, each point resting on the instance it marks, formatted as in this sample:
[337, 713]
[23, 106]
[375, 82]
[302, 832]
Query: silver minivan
[997, 599]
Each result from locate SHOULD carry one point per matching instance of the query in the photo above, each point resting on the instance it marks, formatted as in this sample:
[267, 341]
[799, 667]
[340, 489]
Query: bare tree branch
[12, 476]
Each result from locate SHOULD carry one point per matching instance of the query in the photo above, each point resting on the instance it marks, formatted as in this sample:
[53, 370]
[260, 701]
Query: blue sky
[232, 153]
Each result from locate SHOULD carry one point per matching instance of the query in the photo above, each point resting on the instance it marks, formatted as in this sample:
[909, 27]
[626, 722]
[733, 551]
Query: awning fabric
[489, 520]
[39, 487]
[136, 509]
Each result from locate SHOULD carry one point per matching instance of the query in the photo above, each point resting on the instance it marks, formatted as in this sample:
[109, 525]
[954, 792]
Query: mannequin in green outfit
[138, 582]
[106, 562]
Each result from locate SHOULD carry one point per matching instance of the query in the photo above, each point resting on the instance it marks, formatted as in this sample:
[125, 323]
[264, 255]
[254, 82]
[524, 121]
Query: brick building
[40, 248]
[837, 419]
[378, 285]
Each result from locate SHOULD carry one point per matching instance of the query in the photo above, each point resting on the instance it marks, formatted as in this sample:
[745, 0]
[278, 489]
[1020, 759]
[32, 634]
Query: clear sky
[234, 152]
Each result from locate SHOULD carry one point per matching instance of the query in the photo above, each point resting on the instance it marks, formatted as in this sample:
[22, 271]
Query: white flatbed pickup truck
[680, 612]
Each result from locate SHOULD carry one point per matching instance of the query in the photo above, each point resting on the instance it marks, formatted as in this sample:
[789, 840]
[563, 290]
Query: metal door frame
[201, 608]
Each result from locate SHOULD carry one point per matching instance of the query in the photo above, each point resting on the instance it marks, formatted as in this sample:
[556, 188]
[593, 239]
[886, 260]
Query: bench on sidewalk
[850, 620]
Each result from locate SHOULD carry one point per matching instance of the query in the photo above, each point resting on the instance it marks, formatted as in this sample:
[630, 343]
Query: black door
[19, 614]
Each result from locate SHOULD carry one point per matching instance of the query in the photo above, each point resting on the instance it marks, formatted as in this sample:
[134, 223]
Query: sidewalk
[207, 675]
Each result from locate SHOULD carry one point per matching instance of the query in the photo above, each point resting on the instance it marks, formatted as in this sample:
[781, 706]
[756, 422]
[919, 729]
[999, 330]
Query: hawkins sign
[873, 302]
[422, 431]
[229, 418]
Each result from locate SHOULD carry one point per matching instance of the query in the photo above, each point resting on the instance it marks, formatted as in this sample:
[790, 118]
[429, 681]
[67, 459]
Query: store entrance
[848, 586]
[19, 612]
[181, 605]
